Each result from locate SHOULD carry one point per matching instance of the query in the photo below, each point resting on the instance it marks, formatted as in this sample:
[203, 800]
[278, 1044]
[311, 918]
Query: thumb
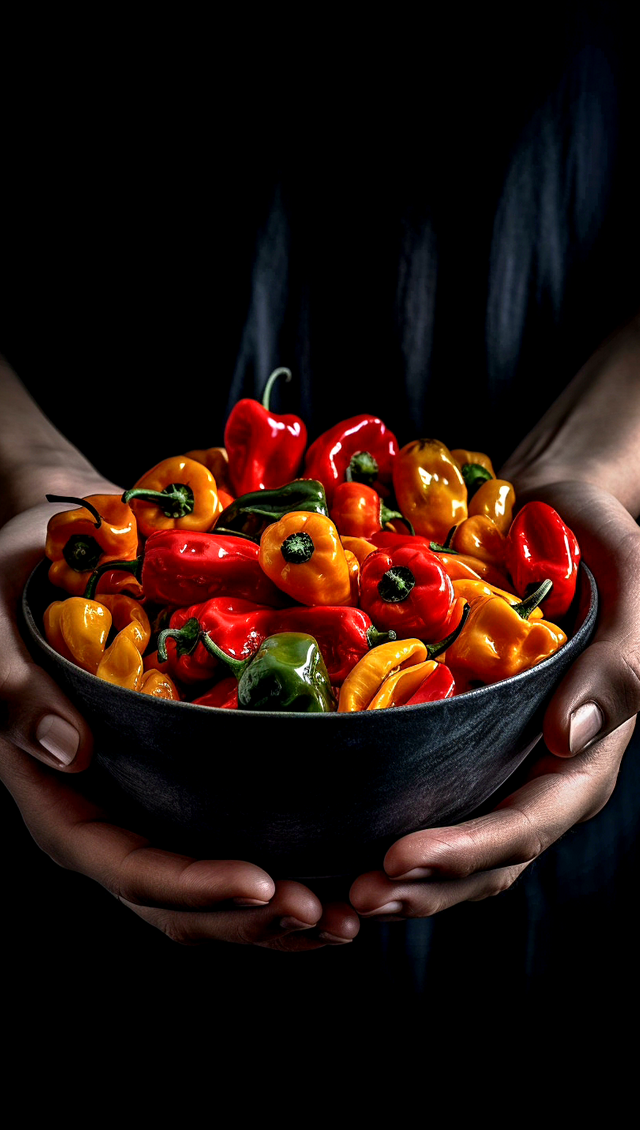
[34, 713]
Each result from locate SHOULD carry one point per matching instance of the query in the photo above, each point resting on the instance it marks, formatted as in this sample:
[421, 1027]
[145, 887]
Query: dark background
[426, 222]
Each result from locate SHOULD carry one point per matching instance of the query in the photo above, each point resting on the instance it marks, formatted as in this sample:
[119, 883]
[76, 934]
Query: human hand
[587, 727]
[192, 901]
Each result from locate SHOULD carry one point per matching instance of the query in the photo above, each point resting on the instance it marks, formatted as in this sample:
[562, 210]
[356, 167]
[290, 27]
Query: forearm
[35, 458]
[592, 431]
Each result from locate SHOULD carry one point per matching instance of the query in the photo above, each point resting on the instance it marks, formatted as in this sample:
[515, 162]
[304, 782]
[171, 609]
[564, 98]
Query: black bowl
[302, 795]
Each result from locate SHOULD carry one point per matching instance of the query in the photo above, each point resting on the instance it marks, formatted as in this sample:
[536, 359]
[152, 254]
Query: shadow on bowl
[320, 796]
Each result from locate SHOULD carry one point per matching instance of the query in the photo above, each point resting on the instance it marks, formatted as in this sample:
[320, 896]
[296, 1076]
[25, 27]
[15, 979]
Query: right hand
[192, 901]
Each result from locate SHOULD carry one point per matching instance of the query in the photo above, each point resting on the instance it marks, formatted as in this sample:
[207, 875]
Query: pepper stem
[436, 548]
[237, 666]
[396, 584]
[81, 502]
[387, 515]
[298, 548]
[475, 476]
[266, 396]
[175, 500]
[186, 639]
[235, 534]
[526, 606]
[363, 468]
[376, 637]
[434, 649]
[134, 567]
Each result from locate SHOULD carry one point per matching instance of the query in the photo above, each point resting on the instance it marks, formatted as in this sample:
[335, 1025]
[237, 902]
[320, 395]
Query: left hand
[431, 870]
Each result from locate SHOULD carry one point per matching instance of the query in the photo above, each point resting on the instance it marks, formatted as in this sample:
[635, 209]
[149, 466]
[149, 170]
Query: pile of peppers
[353, 574]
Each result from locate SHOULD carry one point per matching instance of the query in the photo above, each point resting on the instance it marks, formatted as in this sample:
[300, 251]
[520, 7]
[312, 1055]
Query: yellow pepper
[360, 546]
[303, 555]
[398, 687]
[354, 576]
[121, 663]
[364, 680]
[102, 529]
[216, 460]
[129, 617]
[461, 565]
[160, 686]
[499, 641]
[178, 493]
[77, 629]
[429, 488]
[472, 590]
[495, 499]
[477, 458]
[479, 537]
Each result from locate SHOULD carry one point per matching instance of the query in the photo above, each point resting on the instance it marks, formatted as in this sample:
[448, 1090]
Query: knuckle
[630, 682]
[172, 929]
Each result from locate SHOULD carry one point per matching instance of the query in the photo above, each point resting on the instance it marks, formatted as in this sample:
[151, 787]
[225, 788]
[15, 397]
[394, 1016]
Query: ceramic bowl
[303, 795]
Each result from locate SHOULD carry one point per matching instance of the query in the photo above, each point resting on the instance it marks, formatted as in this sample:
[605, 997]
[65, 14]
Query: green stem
[396, 584]
[134, 567]
[186, 639]
[175, 500]
[526, 606]
[435, 548]
[237, 666]
[376, 637]
[434, 649]
[387, 515]
[81, 502]
[266, 396]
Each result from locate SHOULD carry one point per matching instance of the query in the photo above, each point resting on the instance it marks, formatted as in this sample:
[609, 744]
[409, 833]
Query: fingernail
[251, 902]
[417, 873]
[584, 724]
[58, 737]
[291, 923]
[388, 908]
[332, 939]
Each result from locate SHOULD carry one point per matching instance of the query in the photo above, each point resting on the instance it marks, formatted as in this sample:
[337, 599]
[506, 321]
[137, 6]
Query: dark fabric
[436, 224]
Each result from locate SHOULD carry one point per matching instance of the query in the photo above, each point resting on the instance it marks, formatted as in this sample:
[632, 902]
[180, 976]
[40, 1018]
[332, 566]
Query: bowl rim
[476, 695]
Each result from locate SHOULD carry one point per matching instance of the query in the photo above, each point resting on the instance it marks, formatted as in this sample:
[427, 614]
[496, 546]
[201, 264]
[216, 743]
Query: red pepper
[361, 449]
[239, 627]
[224, 695]
[439, 684]
[358, 511]
[406, 589]
[265, 450]
[182, 567]
[540, 545]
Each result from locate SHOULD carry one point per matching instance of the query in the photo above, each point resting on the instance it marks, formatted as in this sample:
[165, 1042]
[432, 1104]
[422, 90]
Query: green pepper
[251, 513]
[286, 673]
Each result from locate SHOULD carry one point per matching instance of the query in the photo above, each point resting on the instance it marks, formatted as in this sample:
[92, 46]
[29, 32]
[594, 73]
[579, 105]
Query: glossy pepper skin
[424, 682]
[128, 617]
[158, 685]
[179, 568]
[176, 494]
[358, 511]
[472, 591]
[78, 540]
[429, 488]
[365, 679]
[472, 458]
[361, 447]
[287, 673]
[216, 460]
[224, 695]
[495, 499]
[499, 641]
[540, 545]
[265, 451]
[77, 629]
[479, 537]
[407, 590]
[303, 555]
[122, 663]
[252, 513]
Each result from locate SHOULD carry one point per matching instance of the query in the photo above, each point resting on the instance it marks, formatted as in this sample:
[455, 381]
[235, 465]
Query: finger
[377, 897]
[292, 910]
[558, 795]
[602, 688]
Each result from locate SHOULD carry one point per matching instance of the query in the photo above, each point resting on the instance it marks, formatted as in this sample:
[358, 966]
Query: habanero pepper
[224, 695]
[265, 451]
[360, 547]
[177, 493]
[252, 513]
[122, 663]
[77, 629]
[216, 460]
[540, 545]
[286, 673]
[479, 537]
[303, 555]
[102, 529]
[360, 449]
[158, 685]
[495, 499]
[183, 567]
[424, 682]
[358, 511]
[429, 488]
[407, 590]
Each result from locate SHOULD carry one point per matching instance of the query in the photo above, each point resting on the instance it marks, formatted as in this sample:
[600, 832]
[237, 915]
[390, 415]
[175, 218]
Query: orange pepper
[364, 680]
[77, 629]
[151, 662]
[121, 663]
[160, 686]
[477, 458]
[354, 576]
[479, 537]
[78, 540]
[129, 617]
[216, 460]
[178, 493]
[472, 590]
[495, 499]
[460, 565]
[360, 546]
[429, 488]
[116, 581]
[398, 687]
[303, 555]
